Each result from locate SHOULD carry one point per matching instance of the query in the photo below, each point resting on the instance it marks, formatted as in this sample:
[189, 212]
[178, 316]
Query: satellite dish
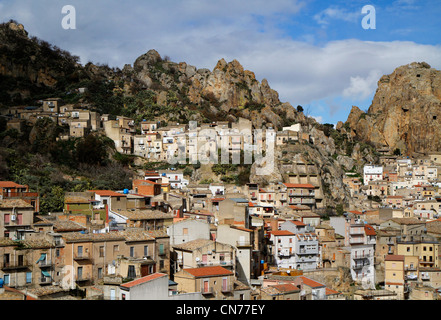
[197, 259]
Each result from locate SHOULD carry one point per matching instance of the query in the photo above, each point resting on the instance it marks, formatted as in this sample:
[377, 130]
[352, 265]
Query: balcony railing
[82, 256]
[46, 263]
[45, 280]
[83, 277]
[209, 290]
[243, 243]
[14, 265]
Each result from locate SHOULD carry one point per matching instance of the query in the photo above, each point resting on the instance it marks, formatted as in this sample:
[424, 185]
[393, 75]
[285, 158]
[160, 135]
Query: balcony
[284, 253]
[112, 280]
[82, 256]
[82, 278]
[362, 256]
[15, 265]
[207, 291]
[46, 264]
[45, 280]
[227, 288]
[358, 266]
[243, 243]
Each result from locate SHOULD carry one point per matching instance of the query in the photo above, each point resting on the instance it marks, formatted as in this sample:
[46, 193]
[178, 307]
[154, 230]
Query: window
[6, 279]
[116, 248]
[132, 252]
[161, 264]
[80, 251]
[57, 253]
[131, 272]
[28, 277]
[185, 231]
[100, 273]
[101, 251]
[146, 251]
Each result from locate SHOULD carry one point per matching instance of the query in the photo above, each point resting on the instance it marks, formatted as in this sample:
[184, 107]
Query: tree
[53, 201]
[91, 150]
[299, 108]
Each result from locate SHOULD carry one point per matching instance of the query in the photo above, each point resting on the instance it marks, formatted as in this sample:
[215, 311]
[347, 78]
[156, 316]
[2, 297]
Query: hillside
[155, 88]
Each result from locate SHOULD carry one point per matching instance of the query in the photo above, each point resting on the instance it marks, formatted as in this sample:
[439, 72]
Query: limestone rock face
[405, 112]
[226, 91]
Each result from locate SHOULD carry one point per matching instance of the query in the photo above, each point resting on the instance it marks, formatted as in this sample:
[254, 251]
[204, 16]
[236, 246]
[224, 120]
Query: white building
[372, 173]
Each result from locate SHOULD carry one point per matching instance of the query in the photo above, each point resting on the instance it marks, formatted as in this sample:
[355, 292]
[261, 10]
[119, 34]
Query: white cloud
[362, 87]
[319, 119]
[334, 13]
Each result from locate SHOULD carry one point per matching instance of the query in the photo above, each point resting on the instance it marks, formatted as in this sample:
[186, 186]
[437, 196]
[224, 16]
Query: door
[145, 270]
[112, 294]
[206, 286]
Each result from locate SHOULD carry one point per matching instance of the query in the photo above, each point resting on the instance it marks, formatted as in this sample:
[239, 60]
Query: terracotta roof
[208, 271]
[143, 280]
[282, 233]
[311, 283]
[286, 287]
[394, 257]
[299, 185]
[369, 230]
[297, 222]
[330, 291]
[11, 184]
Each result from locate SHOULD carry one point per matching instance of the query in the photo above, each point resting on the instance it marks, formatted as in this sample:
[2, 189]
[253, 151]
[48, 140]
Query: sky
[317, 54]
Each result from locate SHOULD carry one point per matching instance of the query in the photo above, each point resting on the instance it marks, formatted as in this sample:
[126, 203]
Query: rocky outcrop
[405, 112]
[227, 92]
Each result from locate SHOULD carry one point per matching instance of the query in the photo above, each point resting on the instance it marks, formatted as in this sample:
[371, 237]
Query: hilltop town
[170, 238]
[162, 181]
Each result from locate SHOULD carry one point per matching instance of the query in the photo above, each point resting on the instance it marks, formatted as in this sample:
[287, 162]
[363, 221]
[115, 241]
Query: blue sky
[314, 53]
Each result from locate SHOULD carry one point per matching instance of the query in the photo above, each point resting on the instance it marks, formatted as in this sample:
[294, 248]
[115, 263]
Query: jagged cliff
[224, 93]
[405, 113]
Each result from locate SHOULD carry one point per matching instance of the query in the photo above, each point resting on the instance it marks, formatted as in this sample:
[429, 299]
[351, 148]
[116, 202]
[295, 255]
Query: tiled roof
[282, 233]
[77, 199]
[407, 221]
[193, 245]
[67, 225]
[208, 271]
[10, 184]
[143, 280]
[311, 283]
[286, 287]
[37, 244]
[369, 230]
[17, 203]
[144, 214]
[330, 291]
[6, 242]
[394, 257]
[297, 222]
[299, 185]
